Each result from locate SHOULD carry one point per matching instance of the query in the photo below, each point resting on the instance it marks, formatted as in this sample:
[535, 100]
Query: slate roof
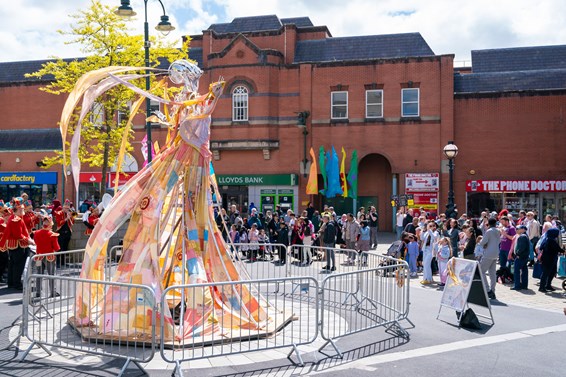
[510, 81]
[258, 23]
[514, 69]
[44, 139]
[13, 72]
[362, 47]
[519, 59]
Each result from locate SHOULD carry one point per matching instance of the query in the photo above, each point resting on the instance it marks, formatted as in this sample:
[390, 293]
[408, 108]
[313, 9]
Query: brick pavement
[71, 364]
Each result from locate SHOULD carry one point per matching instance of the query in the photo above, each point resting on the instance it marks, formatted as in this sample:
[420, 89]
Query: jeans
[373, 236]
[399, 230]
[330, 255]
[521, 275]
[503, 255]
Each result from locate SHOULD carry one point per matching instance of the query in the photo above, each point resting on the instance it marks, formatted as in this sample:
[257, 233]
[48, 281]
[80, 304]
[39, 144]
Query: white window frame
[418, 102]
[332, 105]
[240, 102]
[97, 114]
[374, 104]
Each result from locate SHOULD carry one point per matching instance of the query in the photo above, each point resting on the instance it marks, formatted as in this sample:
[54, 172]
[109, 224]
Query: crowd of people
[46, 230]
[312, 228]
[494, 239]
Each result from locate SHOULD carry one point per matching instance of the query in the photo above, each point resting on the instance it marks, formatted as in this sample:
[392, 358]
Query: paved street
[526, 340]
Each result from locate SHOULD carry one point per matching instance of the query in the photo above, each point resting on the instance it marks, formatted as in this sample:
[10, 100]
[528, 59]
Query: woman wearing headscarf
[549, 250]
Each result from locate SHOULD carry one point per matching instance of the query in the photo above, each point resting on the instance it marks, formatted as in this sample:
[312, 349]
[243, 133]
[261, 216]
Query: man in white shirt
[399, 222]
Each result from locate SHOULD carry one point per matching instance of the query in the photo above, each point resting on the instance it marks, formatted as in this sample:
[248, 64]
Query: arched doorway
[375, 187]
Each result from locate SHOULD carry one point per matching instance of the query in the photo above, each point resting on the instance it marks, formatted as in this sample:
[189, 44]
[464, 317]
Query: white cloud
[28, 30]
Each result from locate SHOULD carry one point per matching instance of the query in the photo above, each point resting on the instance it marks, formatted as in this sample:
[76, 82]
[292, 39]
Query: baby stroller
[395, 250]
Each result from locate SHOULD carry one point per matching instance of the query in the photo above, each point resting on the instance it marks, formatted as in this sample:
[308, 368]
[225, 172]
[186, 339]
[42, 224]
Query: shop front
[41, 187]
[547, 197]
[264, 191]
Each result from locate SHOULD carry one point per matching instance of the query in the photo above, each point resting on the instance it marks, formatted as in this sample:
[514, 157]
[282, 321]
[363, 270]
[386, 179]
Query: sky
[29, 27]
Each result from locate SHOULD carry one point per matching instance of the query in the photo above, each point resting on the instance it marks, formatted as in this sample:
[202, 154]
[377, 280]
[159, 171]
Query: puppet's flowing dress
[171, 221]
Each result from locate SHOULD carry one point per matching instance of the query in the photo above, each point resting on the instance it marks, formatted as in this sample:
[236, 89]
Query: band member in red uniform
[46, 241]
[92, 220]
[16, 240]
[3, 254]
[31, 219]
[64, 224]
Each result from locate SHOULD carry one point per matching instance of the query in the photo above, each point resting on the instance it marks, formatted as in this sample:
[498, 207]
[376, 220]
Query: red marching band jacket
[15, 235]
[46, 243]
[31, 220]
[61, 218]
[92, 220]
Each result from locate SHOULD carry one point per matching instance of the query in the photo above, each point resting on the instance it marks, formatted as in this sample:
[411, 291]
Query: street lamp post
[450, 151]
[302, 123]
[164, 26]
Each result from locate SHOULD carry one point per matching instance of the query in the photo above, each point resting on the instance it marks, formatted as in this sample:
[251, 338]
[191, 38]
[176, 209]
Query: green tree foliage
[106, 41]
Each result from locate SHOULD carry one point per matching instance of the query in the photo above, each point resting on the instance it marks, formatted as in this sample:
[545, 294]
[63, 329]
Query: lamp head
[164, 25]
[450, 150]
[125, 10]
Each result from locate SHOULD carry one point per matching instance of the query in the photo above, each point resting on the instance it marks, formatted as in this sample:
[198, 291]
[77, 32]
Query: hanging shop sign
[516, 185]
[85, 177]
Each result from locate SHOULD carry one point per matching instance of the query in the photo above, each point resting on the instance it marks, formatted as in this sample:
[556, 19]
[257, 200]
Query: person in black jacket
[282, 236]
[470, 244]
[549, 250]
[328, 234]
[521, 251]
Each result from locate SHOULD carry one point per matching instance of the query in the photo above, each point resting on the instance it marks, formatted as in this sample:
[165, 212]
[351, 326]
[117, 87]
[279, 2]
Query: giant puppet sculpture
[172, 237]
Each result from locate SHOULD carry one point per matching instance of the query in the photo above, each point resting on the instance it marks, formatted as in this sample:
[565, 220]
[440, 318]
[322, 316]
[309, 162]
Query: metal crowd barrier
[292, 322]
[120, 336]
[301, 300]
[369, 298]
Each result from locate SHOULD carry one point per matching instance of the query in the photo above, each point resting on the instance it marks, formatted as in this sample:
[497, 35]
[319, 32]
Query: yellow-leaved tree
[107, 41]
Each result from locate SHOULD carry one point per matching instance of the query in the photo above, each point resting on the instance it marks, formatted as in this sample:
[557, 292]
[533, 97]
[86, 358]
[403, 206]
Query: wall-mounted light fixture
[302, 123]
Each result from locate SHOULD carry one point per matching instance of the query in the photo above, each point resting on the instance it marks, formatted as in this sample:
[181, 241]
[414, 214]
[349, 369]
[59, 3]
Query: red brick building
[387, 96]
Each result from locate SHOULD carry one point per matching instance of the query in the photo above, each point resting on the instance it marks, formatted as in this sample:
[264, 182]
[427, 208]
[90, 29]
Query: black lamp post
[302, 123]
[164, 26]
[450, 151]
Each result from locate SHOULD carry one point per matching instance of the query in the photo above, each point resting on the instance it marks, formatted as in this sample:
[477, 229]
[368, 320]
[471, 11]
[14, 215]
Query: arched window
[240, 104]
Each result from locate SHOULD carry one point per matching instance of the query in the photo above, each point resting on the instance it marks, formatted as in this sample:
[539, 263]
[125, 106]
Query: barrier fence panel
[112, 258]
[291, 318]
[53, 321]
[366, 299]
[259, 261]
[308, 260]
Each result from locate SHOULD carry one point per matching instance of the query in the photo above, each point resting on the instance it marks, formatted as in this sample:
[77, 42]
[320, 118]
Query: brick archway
[375, 187]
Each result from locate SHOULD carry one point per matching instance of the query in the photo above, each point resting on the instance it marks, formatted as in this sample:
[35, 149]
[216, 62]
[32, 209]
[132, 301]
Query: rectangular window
[410, 102]
[374, 103]
[97, 114]
[339, 104]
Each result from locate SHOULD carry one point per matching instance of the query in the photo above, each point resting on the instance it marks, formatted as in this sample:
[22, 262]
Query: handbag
[537, 270]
